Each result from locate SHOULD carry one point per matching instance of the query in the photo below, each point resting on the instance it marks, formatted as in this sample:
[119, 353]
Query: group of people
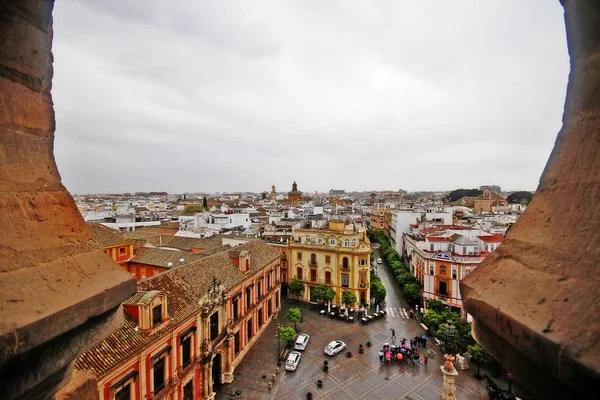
[406, 352]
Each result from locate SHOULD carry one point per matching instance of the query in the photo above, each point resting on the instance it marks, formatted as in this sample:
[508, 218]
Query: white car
[334, 347]
[301, 342]
[293, 360]
[379, 261]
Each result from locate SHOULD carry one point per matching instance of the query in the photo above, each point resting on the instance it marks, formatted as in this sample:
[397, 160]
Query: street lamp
[509, 376]
[278, 336]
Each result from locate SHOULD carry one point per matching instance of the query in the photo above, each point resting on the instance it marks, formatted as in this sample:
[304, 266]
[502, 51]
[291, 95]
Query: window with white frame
[307, 239]
[332, 241]
[319, 239]
[347, 243]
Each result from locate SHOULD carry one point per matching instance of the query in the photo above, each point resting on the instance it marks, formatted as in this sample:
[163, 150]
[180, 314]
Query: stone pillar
[448, 386]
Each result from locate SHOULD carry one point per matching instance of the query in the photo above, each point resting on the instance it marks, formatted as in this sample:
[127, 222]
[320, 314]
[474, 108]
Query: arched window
[347, 243]
[313, 259]
[307, 239]
[319, 239]
[345, 264]
[454, 273]
[431, 272]
[332, 241]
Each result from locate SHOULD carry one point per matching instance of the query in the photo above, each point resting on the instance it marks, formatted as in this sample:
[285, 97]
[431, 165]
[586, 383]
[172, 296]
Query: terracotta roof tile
[108, 237]
[184, 286]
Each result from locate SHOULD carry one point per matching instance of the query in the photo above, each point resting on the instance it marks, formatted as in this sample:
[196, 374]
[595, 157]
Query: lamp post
[509, 376]
[278, 336]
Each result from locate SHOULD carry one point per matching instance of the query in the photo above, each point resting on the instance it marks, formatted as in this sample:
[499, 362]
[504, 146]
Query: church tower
[273, 193]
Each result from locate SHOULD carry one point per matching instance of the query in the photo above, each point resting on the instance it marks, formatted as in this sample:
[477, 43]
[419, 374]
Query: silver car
[292, 361]
[301, 342]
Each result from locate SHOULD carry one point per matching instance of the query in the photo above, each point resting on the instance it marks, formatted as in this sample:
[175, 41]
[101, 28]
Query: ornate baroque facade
[186, 330]
[337, 256]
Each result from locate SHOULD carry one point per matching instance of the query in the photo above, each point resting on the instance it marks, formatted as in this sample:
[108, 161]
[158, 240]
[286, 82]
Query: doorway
[216, 371]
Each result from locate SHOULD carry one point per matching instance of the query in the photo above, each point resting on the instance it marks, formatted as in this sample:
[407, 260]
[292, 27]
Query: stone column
[448, 386]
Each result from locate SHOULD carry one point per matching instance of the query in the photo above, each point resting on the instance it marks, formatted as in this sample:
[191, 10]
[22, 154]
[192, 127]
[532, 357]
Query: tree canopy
[294, 315]
[377, 289]
[323, 292]
[348, 297]
[193, 208]
[519, 197]
[436, 305]
[412, 291]
[287, 333]
[460, 193]
[479, 356]
[296, 288]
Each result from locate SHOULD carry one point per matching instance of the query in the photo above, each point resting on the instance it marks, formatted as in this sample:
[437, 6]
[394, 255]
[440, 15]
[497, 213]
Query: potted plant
[319, 383]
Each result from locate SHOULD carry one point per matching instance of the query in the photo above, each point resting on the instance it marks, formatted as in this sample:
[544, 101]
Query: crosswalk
[397, 312]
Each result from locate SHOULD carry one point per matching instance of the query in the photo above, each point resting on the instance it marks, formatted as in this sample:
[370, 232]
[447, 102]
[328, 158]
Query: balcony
[313, 264]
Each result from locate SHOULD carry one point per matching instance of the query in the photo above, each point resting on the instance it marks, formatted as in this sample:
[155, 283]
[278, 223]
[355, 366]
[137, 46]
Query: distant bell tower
[273, 193]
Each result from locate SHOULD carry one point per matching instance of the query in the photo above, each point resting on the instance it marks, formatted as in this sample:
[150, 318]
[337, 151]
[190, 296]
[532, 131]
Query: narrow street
[394, 299]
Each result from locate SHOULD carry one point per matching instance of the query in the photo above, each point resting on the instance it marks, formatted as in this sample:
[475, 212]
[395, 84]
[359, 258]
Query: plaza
[359, 376]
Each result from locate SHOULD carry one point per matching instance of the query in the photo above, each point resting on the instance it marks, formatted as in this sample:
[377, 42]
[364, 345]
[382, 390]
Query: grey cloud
[216, 96]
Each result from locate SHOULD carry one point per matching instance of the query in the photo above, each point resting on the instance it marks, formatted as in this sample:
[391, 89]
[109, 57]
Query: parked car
[334, 347]
[292, 361]
[379, 261]
[301, 342]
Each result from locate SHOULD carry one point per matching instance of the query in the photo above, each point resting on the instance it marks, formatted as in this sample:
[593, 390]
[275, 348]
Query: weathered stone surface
[83, 386]
[58, 291]
[535, 301]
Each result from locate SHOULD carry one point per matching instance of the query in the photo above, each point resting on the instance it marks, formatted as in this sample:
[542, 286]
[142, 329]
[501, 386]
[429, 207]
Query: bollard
[270, 385]
[273, 376]
[277, 371]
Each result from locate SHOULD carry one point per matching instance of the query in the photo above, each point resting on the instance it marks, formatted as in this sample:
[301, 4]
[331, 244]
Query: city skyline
[216, 97]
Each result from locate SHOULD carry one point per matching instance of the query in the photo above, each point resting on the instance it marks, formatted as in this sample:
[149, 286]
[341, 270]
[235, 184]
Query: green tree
[431, 319]
[296, 288]
[460, 193]
[193, 208]
[378, 290]
[479, 356]
[328, 294]
[405, 278]
[288, 334]
[204, 203]
[448, 335]
[294, 315]
[436, 305]
[317, 293]
[412, 292]
[348, 297]
[519, 197]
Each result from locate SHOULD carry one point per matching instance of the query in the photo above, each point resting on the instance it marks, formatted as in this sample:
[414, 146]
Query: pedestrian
[380, 354]
[424, 342]
[411, 314]
[425, 358]
[388, 356]
[393, 333]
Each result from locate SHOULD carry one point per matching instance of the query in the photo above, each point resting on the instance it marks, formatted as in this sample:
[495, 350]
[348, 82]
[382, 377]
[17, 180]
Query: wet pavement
[359, 376]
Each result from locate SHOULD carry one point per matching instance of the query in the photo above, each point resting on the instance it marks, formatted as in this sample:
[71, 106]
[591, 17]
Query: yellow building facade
[337, 256]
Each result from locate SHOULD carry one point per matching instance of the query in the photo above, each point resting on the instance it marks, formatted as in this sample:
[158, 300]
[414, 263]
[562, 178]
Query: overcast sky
[357, 95]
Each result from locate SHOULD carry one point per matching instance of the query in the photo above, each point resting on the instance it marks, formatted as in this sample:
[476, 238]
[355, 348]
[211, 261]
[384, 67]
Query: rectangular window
[248, 297]
[299, 256]
[121, 251]
[345, 280]
[328, 277]
[186, 351]
[124, 393]
[188, 390]
[249, 329]
[260, 318]
[431, 246]
[284, 277]
[214, 326]
[259, 289]
[236, 344]
[236, 302]
[269, 308]
[277, 299]
[159, 374]
[157, 315]
[328, 259]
